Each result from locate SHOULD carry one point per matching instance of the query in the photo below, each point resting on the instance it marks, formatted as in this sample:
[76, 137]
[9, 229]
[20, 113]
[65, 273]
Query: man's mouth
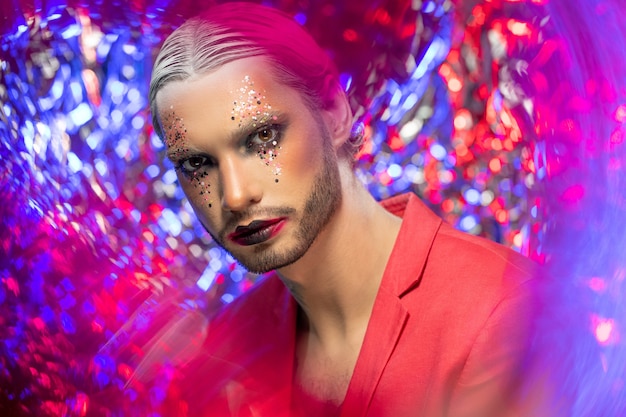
[258, 231]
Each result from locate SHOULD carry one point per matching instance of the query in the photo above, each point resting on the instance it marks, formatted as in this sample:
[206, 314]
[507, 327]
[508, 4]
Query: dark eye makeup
[258, 141]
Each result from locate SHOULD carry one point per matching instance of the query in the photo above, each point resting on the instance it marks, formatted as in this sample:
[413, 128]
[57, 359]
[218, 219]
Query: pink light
[518, 28]
[620, 114]
[573, 194]
[604, 331]
[455, 85]
[597, 284]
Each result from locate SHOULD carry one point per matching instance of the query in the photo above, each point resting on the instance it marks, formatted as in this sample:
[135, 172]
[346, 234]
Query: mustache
[258, 213]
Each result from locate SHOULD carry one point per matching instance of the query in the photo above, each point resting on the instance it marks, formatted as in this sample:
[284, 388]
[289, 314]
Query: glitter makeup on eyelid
[175, 135]
[252, 105]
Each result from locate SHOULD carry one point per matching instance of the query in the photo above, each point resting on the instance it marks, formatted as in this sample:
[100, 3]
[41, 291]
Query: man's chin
[261, 262]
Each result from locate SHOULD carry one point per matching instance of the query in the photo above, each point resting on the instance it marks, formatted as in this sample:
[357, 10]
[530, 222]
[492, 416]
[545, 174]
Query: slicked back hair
[236, 30]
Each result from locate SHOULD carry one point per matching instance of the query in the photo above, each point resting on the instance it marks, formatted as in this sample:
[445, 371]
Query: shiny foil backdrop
[506, 117]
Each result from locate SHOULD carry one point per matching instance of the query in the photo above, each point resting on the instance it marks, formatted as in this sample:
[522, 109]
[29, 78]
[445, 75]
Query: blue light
[187, 236]
[122, 148]
[169, 177]
[410, 101]
[472, 196]
[71, 32]
[394, 170]
[56, 91]
[300, 18]
[46, 103]
[215, 264]
[117, 88]
[101, 167]
[171, 222]
[152, 171]
[395, 98]
[117, 117]
[137, 122]
[94, 139]
[215, 253]
[429, 7]
[77, 91]
[345, 80]
[67, 302]
[236, 275]
[67, 322]
[206, 279]
[467, 223]
[437, 47]
[438, 151]
[136, 215]
[81, 114]
[73, 162]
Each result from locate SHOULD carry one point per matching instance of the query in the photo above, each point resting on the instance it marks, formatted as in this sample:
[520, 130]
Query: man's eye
[191, 165]
[264, 135]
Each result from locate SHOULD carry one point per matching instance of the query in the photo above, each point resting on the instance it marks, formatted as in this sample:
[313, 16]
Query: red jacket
[448, 335]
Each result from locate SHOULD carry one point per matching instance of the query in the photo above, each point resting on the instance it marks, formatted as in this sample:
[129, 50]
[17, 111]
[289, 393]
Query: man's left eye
[264, 135]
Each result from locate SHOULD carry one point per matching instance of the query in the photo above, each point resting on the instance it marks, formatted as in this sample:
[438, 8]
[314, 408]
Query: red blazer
[448, 335]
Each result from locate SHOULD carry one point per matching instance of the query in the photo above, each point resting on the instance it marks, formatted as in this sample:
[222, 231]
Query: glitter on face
[175, 139]
[251, 105]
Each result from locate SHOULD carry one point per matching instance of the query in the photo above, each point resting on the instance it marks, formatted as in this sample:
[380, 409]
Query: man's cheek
[198, 189]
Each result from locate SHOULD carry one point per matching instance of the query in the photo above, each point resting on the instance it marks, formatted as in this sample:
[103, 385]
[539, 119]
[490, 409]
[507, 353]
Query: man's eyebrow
[177, 153]
[248, 127]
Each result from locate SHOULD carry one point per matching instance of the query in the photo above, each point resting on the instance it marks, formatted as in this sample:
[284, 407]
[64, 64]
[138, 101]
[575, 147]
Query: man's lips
[258, 231]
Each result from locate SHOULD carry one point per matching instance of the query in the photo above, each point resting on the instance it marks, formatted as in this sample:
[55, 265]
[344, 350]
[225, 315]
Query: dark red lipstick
[258, 231]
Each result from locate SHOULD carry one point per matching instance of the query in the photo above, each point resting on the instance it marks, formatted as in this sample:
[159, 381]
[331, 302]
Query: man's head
[257, 125]
[237, 30]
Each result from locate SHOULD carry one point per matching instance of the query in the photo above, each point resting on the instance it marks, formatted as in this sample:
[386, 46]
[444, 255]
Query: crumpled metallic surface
[480, 107]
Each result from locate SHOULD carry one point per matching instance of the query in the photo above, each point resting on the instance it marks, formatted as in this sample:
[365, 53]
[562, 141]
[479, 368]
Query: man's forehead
[244, 80]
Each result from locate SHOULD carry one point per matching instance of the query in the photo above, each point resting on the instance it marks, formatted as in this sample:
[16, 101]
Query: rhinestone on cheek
[175, 139]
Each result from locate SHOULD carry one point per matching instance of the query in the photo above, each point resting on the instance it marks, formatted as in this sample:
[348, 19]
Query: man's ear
[338, 117]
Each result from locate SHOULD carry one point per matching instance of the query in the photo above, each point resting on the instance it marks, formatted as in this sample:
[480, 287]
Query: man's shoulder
[451, 252]
[481, 257]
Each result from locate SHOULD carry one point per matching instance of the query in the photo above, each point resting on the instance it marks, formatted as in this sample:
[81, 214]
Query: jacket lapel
[383, 332]
[389, 317]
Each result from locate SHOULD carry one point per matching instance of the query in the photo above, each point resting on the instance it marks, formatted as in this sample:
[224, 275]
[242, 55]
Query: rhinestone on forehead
[250, 105]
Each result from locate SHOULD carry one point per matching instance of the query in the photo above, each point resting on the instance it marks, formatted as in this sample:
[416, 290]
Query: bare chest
[321, 381]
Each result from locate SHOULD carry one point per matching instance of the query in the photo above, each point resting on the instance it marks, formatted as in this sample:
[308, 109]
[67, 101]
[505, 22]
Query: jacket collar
[415, 239]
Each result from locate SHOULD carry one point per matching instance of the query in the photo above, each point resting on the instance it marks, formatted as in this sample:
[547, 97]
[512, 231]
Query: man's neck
[337, 280]
[335, 284]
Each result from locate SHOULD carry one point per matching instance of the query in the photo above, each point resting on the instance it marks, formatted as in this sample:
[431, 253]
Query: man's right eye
[194, 163]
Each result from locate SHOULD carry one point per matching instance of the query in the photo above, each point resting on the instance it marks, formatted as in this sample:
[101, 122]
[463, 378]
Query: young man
[374, 309]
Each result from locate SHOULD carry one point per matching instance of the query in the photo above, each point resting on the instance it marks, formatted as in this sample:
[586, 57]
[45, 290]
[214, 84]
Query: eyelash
[208, 162]
[204, 161]
[276, 129]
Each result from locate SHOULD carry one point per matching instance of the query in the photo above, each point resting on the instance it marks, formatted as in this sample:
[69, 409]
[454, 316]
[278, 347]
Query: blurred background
[506, 116]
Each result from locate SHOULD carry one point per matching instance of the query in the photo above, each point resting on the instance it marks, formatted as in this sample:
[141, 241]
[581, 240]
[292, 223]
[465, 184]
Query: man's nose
[240, 185]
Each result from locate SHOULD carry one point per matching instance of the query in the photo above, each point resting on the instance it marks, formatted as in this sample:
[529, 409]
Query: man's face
[258, 168]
